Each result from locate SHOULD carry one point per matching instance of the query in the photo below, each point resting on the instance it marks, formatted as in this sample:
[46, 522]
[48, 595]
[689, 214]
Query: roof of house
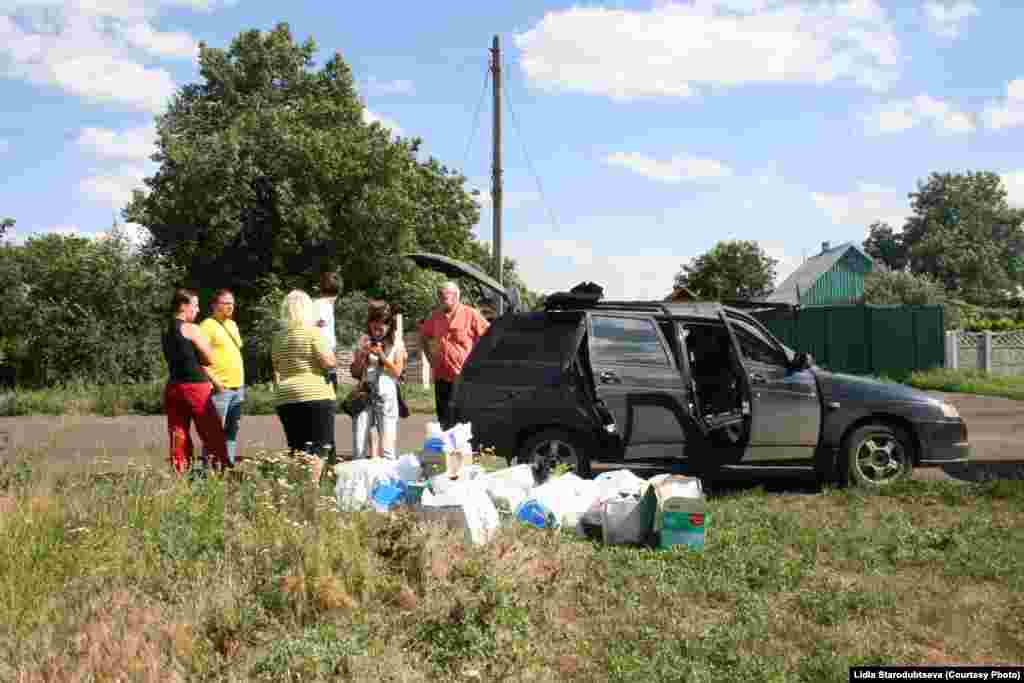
[804, 277]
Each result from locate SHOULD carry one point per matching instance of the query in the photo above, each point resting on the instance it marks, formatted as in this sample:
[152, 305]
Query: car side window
[755, 347]
[626, 340]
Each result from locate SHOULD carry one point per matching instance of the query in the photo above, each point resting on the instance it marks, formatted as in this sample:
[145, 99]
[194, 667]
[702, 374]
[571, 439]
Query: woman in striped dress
[303, 397]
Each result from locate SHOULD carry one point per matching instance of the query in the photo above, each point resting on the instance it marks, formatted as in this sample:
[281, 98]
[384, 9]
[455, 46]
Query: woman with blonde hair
[378, 363]
[303, 397]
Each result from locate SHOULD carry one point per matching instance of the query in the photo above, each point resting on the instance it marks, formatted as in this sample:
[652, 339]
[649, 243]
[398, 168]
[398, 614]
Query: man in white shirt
[324, 306]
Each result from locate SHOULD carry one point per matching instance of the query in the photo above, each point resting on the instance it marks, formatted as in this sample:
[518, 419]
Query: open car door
[638, 384]
[455, 268]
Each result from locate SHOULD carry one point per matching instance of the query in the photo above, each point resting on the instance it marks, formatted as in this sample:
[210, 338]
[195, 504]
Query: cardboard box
[680, 516]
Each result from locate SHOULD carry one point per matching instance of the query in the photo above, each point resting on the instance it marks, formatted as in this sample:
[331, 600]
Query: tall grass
[112, 400]
[137, 576]
[969, 382]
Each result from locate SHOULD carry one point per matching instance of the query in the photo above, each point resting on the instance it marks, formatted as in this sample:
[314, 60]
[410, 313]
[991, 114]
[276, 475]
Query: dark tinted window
[755, 346]
[626, 340]
[535, 344]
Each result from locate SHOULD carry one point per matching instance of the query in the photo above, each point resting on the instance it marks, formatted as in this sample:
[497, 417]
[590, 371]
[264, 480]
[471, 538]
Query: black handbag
[357, 399]
[403, 409]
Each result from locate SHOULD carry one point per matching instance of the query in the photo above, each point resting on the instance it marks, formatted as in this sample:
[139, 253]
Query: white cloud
[902, 115]
[135, 234]
[133, 144]
[373, 117]
[677, 169]
[869, 203]
[1009, 113]
[160, 43]
[672, 48]
[946, 19]
[99, 50]
[641, 275]
[396, 87]
[114, 188]
[1014, 183]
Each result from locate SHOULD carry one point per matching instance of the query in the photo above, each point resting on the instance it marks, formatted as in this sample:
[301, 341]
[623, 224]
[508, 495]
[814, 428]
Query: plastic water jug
[536, 514]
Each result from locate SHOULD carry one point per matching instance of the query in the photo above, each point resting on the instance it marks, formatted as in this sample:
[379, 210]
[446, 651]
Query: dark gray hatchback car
[700, 385]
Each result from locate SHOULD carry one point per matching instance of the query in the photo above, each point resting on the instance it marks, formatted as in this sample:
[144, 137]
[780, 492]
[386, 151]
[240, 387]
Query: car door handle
[609, 377]
[758, 378]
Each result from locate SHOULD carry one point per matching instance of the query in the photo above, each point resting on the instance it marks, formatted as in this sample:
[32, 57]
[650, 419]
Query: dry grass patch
[256, 578]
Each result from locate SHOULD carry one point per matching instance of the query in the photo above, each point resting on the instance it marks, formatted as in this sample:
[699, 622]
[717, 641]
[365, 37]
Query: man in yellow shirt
[227, 372]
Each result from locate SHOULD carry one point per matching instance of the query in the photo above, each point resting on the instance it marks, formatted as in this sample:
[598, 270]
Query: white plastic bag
[619, 481]
[356, 479]
[460, 437]
[567, 497]
[519, 476]
[479, 514]
[623, 521]
[505, 496]
[409, 468]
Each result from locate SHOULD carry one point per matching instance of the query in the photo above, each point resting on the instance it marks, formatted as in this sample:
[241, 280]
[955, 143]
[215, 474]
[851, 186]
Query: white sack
[356, 479]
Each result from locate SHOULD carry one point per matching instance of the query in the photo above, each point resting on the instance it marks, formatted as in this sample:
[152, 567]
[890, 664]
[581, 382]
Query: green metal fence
[864, 339]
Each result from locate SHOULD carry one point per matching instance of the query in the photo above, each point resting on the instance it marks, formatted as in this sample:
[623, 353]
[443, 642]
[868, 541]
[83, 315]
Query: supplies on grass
[667, 510]
[680, 516]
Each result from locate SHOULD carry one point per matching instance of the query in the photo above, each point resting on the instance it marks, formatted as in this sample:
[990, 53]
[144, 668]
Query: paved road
[996, 432]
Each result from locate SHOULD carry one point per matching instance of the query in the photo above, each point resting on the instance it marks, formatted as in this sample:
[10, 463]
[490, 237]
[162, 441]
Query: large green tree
[736, 269]
[962, 232]
[266, 167]
[5, 225]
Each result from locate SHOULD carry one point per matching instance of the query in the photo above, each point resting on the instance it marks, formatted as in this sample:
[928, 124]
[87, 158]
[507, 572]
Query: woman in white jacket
[379, 360]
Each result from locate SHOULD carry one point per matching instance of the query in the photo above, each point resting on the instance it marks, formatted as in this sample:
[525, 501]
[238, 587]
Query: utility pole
[496, 169]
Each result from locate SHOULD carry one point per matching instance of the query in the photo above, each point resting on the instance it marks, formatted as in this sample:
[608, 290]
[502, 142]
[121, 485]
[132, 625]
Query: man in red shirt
[448, 336]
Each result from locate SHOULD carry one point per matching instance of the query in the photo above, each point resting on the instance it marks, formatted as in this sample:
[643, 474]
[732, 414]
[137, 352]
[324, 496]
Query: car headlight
[949, 410]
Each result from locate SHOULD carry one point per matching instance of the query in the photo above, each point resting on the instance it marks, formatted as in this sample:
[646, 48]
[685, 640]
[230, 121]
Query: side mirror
[802, 361]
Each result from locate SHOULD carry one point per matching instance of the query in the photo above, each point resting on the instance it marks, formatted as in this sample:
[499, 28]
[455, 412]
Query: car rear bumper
[944, 442]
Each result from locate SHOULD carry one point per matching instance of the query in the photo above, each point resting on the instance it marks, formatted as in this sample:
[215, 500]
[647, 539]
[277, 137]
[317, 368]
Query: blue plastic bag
[387, 493]
[535, 513]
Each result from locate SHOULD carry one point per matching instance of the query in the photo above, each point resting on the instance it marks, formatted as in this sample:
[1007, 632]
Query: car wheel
[878, 455]
[553, 447]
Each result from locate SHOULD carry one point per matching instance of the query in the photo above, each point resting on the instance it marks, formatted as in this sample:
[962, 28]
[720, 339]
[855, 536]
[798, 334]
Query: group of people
[206, 375]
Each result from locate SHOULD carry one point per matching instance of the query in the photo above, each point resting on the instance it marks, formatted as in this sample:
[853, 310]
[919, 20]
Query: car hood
[838, 386]
[455, 268]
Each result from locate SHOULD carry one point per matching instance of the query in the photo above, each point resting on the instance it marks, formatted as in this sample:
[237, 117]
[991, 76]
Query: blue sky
[637, 134]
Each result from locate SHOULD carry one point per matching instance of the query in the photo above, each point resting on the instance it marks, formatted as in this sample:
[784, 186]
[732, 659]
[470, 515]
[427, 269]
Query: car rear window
[545, 343]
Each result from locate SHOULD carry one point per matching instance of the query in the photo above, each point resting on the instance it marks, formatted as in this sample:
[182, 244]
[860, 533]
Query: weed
[319, 651]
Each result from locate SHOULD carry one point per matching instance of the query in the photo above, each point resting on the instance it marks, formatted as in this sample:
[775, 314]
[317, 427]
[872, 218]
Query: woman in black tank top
[182, 356]
[187, 395]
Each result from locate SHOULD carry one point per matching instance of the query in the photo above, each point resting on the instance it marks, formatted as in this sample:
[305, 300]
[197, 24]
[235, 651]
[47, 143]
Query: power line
[529, 163]
[476, 116]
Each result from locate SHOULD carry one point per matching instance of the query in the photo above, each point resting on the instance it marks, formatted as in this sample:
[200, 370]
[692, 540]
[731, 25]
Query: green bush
[78, 309]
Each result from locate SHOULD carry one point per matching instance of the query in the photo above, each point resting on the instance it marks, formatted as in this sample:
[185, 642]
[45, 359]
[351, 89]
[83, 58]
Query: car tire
[547, 449]
[877, 455]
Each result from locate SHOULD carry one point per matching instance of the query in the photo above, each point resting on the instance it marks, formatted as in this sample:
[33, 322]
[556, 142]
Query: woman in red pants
[189, 388]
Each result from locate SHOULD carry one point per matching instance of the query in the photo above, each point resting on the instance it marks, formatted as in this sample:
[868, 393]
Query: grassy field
[137, 576]
[147, 399]
[969, 382]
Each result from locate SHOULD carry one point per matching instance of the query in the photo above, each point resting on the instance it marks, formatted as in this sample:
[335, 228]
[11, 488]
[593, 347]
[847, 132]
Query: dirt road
[996, 432]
